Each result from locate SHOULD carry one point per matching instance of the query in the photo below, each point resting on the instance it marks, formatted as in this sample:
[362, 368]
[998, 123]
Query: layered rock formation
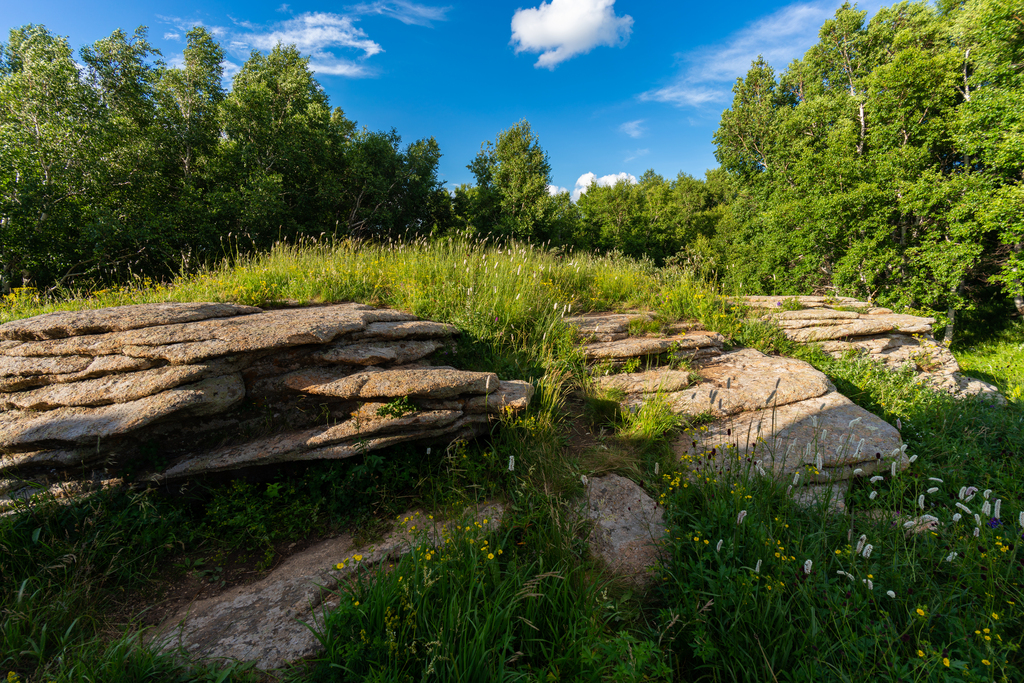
[774, 414]
[839, 325]
[186, 389]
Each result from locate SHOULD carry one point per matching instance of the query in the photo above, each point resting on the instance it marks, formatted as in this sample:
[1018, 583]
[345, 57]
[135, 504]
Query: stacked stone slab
[771, 414]
[207, 387]
[608, 339]
[839, 325]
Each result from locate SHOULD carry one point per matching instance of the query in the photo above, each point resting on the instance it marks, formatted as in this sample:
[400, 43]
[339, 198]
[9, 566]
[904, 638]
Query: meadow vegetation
[752, 586]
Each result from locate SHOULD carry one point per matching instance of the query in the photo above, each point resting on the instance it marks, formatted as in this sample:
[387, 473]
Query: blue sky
[610, 87]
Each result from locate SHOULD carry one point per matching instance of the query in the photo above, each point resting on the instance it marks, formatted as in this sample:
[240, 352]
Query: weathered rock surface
[218, 386]
[826, 439]
[780, 412]
[840, 325]
[263, 622]
[747, 380]
[627, 526]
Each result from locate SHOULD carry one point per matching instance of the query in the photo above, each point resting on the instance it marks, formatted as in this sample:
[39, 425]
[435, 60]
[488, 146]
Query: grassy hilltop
[755, 598]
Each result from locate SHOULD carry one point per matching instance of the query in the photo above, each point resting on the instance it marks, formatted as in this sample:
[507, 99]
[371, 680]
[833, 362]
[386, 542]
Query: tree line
[119, 163]
[886, 164]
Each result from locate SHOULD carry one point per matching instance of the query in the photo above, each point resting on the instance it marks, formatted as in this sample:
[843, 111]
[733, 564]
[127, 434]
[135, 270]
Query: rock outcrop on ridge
[841, 324]
[178, 390]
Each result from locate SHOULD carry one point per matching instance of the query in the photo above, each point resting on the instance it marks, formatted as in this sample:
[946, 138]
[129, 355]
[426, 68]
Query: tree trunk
[947, 338]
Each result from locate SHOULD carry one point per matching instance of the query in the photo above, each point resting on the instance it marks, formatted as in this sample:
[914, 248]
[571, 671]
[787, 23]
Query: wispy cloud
[584, 182]
[333, 42]
[636, 154]
[633, 129]
[784, 35]
[405, 12]
[562, 29]
[321, 35]
[283, 8]
[172, 35]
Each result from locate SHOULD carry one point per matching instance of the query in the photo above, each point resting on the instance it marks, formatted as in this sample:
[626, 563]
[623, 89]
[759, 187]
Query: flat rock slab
[852, 328]
[636, 347]
[192, 342]
[661, 380]
[606, 326]
[65, 324]
[628, 526]
[826, 439]
[746, 380]
[264, 621]
[20, 430]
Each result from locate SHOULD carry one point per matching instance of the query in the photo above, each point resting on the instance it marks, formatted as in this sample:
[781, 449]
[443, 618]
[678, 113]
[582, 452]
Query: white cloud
[636, 154]
[633, 129]
[406, 12]
[562, 29]
[320, 35]
[325, 37]
[588, 179]
[555, 189]
[172, 35]
[230, 68]
[780, 37]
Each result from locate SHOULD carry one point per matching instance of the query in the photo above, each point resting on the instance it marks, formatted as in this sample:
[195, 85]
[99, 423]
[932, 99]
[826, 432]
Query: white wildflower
[935, 479]
[739, 517]
[511, 463]
[920, 501]
[932, 490]
[807, 566]
[874, 494]
[877, 478]
[789, 489]
[977, 519]
[957, 517]
[893, 468]
[988, 492]
[867, 550]
[998, 508]
[891, 594]
[854, 421]
[719, 546]
[1020, 519]
[963, 492]
[584, 480]
[796, 478]
[970, 493]
[757, 567]
[986, 509]
[908, 524]
[656, 468]
[858, 471]
[977, 532]
[860, 543]
[964, 508]
[899, 424]
[912, 458]
[952, 556]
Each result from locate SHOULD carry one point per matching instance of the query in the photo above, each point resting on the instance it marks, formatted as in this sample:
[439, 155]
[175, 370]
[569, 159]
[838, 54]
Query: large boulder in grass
[769, 415]
[186, 389]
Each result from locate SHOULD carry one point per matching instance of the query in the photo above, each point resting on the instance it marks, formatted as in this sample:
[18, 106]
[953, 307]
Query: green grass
[543, 609]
